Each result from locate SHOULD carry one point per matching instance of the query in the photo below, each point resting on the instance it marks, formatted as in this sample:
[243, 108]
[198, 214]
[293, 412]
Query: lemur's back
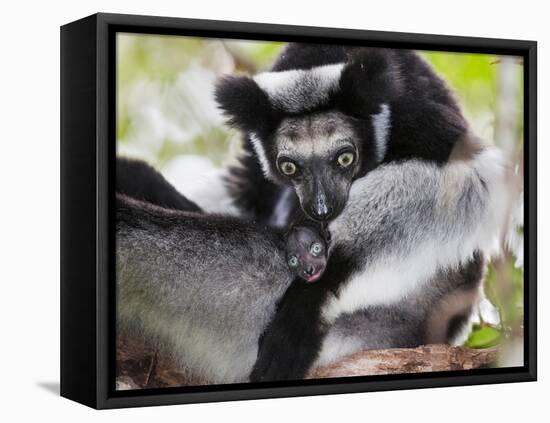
[189, 281]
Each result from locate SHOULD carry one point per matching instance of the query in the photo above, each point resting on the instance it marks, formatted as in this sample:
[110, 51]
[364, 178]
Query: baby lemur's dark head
[306, 253]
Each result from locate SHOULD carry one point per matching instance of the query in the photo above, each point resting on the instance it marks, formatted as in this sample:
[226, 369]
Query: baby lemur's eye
[346, 159]
[293, 261]
[316, 248]
[288, 168]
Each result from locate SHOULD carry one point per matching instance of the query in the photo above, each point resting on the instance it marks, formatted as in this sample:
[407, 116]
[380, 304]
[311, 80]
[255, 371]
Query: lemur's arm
[294, 333]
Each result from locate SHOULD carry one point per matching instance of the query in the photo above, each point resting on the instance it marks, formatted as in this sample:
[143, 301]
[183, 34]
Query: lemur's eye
[346, 159]
[293, 261]
[288, 168]
[316, 248]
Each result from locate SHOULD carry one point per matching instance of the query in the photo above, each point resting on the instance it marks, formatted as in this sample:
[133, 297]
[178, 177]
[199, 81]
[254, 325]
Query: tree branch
[428, 358]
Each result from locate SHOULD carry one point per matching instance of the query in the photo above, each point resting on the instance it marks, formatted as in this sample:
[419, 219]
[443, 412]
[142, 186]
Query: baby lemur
[307, 251]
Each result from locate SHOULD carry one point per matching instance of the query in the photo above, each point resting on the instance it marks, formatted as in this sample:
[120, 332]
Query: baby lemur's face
[306, 253]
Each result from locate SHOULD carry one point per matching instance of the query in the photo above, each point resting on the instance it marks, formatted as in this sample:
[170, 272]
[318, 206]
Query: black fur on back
[307, 56]
[137, 179]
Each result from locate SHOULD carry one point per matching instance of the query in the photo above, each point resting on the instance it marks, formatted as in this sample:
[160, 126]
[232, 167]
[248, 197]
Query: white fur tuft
[260, 154]
[382, 124]
[300, 90]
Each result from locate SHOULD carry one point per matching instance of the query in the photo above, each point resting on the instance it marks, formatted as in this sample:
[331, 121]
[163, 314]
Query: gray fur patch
[202, 292]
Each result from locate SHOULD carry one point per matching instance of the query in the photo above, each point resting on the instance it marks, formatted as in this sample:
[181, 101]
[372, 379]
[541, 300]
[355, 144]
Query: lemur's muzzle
[323, 194]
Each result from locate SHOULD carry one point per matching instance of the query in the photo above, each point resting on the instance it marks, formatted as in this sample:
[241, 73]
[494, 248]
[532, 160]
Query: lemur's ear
[245, 104]
[370, 78]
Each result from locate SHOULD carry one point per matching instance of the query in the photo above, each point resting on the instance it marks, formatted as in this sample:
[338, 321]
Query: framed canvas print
[255, 211]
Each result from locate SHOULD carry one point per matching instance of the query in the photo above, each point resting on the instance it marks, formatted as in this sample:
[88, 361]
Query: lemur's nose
[320, 209]
[310, 270]
[321, 212]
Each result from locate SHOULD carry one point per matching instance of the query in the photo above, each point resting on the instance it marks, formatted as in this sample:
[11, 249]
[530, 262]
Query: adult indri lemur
[323, 117]
[408, 244]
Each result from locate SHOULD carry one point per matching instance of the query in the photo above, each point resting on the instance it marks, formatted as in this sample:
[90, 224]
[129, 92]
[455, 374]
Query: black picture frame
[87, 192]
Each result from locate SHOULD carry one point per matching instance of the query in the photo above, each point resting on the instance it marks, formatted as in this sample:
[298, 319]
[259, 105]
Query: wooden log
[427, 358]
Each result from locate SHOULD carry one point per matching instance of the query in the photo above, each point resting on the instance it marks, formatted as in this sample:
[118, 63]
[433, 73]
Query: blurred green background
[167, 116]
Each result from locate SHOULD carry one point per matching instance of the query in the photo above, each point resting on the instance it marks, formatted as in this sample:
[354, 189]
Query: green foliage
[505, 289]
[212, 143]
[472, 76]
[483, 337]
[504, 286]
